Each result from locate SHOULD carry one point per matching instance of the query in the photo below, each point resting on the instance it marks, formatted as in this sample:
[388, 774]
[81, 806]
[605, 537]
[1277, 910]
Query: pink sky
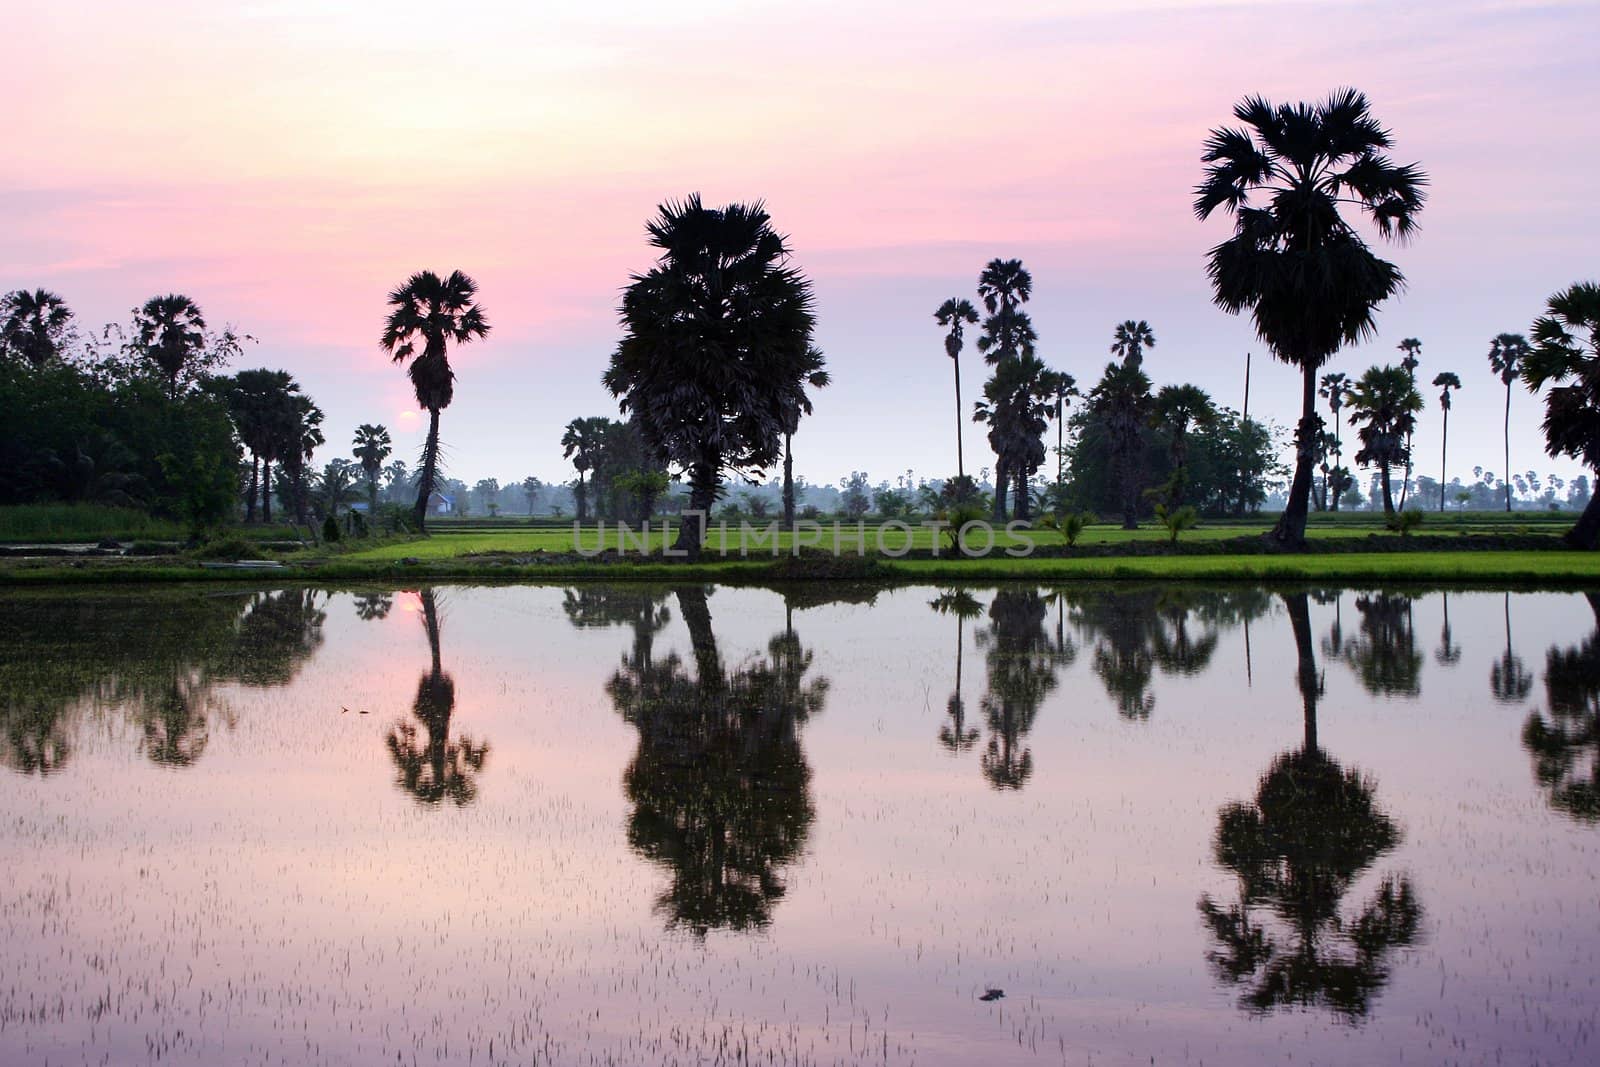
[286, 165]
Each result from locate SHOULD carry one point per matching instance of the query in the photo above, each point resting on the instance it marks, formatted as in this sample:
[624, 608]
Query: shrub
[330, 530]
[1179, 519]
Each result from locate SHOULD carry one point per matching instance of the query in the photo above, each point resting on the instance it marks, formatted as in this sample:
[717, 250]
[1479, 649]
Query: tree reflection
[1021, 663]
[437, 768]
[719, 784]
[1509, 679]
[373, 606]
[1384, 654]
[1297, 848]
[955, 735]
[1448, 654]
[158, 659]
[1135, 632]
[1566, 746]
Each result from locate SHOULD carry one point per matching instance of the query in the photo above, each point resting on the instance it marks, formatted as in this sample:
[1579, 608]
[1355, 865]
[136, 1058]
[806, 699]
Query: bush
[1070, 526]
[330, 530]
[1177, 520]
[1405, 521]
[227, 548]
[958, 517]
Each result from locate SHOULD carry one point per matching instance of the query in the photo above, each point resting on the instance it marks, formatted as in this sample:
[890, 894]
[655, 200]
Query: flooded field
[658, 824]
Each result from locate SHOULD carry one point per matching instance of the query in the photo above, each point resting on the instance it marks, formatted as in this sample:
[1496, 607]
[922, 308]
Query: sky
[286, 164]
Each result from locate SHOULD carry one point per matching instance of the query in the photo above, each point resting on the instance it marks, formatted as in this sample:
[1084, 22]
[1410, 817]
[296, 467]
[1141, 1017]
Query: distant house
[441, 504]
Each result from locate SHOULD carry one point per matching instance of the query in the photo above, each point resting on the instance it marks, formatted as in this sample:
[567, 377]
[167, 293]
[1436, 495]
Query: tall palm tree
[810, 373]
[1016, 405]
[716, 337]
[957, 314]
[372, 446]
[1566, 347]
[1386, 406]
[170, 332]
[428, 314]
[1311, 282]
[1122, 401]
[1066, 389]
[1004, 285]
[1335, 389]
[1506, 355]
[582, 443]
[1446, 380]
[34, 326]
[1410, 360]
[530, 489]
[1130, 341]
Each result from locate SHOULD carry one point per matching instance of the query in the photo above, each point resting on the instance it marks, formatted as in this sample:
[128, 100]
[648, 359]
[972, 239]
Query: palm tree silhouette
[1409, 363]
[956, 735]
[372, 446]
[1020, 671]
[797, 402]
[1447, 381]
[1509, 680]
[1448, 653]
[1130, 340]
[1566, 746]
[34, 326]
[1297, 849]
[429, 314]
[1566, 357]
[169, 331]
[371, 606]
[1384, 653]
[582, 442]
[1004, 285]
[956, 313]
[1386, 406]
[1309, 279]
[1506, 355]
[439, 768]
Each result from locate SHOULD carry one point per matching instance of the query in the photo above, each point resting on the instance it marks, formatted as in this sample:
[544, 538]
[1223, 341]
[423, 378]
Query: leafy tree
[35, 327]
[855, 500]
[337, 486]
[488, 493]
[531, 487]
[427, 315]
[716, 345]
[1566, 348]
[372, 446]
[1130, 340]
[957, 314]
[1386, 406]
[1507, 352]
[1311, 282]
[1446, 381]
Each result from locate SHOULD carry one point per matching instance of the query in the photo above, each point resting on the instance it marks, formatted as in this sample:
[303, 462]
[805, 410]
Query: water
[637, 824]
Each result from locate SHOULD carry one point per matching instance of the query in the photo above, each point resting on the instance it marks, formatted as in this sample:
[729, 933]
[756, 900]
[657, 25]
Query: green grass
[46, 523]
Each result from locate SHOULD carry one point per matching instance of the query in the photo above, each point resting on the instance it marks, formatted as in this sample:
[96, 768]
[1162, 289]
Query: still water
[641, 824]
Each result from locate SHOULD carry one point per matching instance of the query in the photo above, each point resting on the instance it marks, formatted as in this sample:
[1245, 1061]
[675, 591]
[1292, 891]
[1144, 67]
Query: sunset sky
[285, 164]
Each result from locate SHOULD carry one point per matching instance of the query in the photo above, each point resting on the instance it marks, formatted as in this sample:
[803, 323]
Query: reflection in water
[157, 660]
[439, 768]
[1509, 679]
[1448, 654]
[1021, 661]
[1138, 631]
[955, 735]
[719, 784]
[1566, 746]
[1384, 654]
[1297, 849]
[373, 606]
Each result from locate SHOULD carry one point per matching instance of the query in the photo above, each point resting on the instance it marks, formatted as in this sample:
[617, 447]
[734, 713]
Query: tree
[255, 399]
[1311, 282]
[428, 314]
[1130, 340]
[956, 735]
[716, 342]
[297, 427]
[1566, 746]
[1412, 358]
[488, 491]
[1005, 285]
[957, 314]
[35, 327]
[1446, 380]
[1123, 404]
[854, 498]
[337, 485]
[439, 768]
[809, 373]
[1016, 405]
[1506, 355]
[1566, 347]
[581, 443]
[1386, 406]
[169, 332]
[1335, 389]
[531, 487]
[1177, 408]
[1066, 389]
[372, 446]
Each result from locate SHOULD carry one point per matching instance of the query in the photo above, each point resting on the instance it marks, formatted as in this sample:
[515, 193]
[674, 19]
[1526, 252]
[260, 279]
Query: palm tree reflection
[1566, 746]
[1509, 679]
[1021, 665]
[1448, 654]
[719, 784]
[1297, 848]
[437, 768]
[955, 735]
[1384, 653]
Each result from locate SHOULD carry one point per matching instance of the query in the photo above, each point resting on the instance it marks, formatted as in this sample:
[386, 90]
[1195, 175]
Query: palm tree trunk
[580, 497]
[266, 490]
[1002, 479]
[1388, 494]
[697, 617]
[1508, 448]
[1021, 505]
[1338, 450]
[430, 461]
[788, 479]
[961, 468]
[255, 480]
[1291, 528]
[1586, 534]
[1444, 459]
[702, 496]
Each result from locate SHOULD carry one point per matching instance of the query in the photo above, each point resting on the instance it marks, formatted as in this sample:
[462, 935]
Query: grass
[47, 523]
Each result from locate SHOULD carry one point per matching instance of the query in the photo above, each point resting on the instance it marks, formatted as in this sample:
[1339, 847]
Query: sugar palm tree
[372, 446]
[1123, 402]
[1446, 381]
[1005, 285]
[1130, 341]
[429, 314]
[1335, 389]
[1066, 389]
[1311, 282]
[957, 314]
[810, 373]
[169, 331]
[530, 489]
[582, 443]
[1177, 409]
[1016, 405]
[1411, 358]
[1566, 348]
[716, 336]
[1506, 355]
[1386, 406]
[34, 326]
